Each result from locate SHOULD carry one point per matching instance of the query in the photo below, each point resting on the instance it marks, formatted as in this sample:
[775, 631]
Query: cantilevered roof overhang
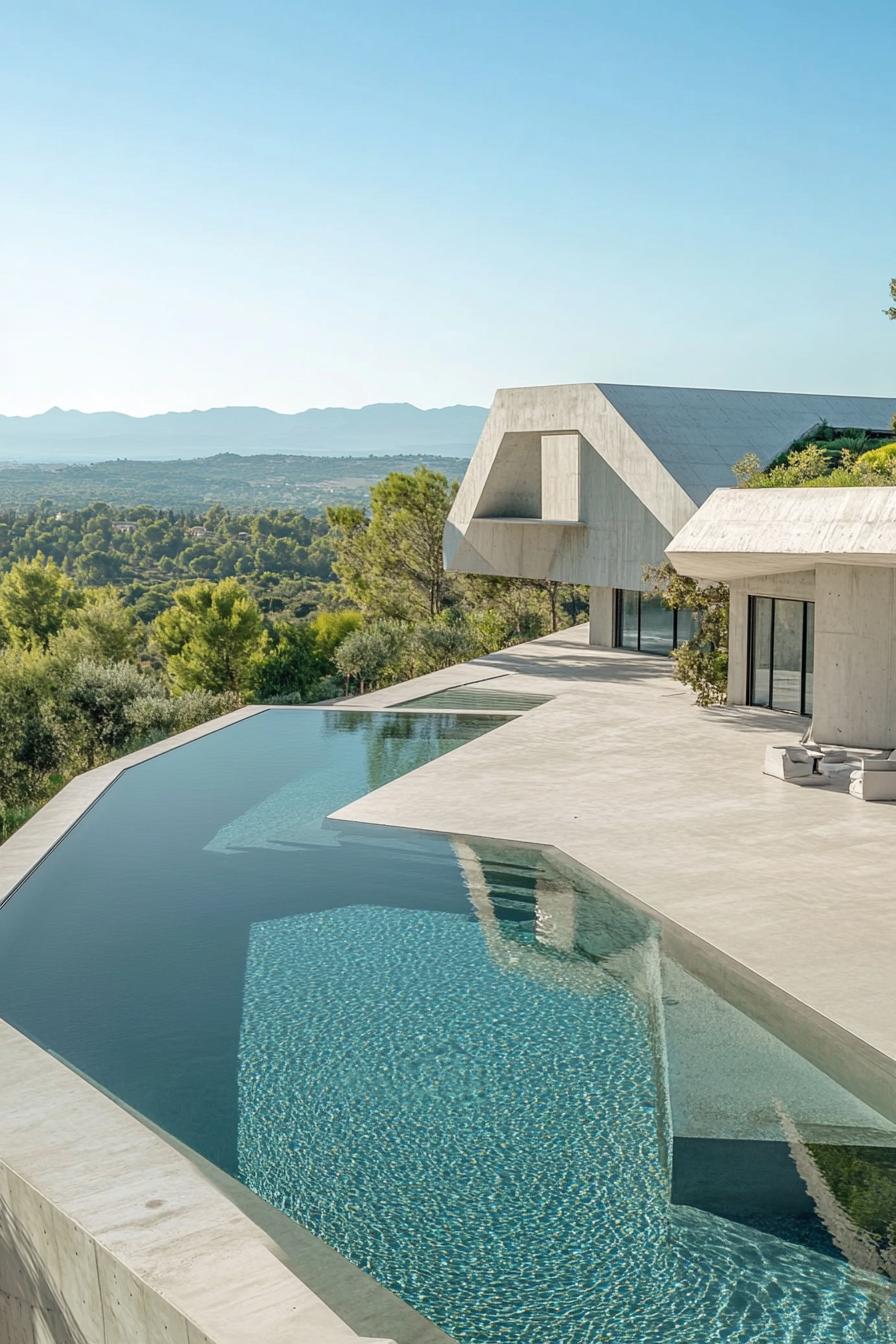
[738, 533]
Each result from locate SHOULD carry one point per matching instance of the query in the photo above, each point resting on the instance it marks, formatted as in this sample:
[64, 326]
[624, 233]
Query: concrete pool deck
[782, 896]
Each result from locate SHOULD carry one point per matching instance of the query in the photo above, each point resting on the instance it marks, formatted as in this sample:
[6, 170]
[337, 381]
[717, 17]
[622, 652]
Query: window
[646, 624]
[782, 650]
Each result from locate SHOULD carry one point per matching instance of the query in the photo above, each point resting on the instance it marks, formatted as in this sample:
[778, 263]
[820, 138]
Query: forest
[121, 626]
[244, 482]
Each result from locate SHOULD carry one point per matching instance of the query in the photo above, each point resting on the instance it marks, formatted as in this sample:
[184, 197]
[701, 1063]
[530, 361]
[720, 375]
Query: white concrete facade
[588, 483]
[561, 487]
[835, 548]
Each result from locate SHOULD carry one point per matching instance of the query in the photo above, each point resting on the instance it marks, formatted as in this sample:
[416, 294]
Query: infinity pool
[473, 1073]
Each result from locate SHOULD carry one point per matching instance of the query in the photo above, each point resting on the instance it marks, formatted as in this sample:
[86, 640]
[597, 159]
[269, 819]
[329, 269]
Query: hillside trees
[293, 665]
[109, 637]
[213, 638]
[36, 600]
[390, 562]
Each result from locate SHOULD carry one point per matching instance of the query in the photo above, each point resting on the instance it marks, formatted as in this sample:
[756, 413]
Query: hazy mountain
[385, 428]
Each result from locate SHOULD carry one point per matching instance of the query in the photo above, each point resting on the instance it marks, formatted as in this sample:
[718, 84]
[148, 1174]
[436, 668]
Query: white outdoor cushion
[874, 786]
[877, 765]
[797, 754]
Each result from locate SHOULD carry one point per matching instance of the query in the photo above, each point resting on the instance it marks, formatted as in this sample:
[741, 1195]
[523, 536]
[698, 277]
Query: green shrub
[701, 662]
[882, 458]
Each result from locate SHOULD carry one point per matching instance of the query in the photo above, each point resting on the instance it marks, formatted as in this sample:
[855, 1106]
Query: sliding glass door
[782, 642]
[646, 624]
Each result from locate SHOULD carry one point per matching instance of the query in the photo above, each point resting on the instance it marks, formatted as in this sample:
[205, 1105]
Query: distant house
[124, 527]
[242, 536]
[197, 531]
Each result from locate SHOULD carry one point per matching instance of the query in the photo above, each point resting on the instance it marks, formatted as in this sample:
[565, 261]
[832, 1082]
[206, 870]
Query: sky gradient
[293, 204]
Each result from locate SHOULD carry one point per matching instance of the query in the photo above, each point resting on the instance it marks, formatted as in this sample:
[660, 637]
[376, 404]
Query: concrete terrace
[781, 896]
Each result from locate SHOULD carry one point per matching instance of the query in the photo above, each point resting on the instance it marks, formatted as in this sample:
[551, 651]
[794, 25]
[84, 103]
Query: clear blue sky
[296, 204]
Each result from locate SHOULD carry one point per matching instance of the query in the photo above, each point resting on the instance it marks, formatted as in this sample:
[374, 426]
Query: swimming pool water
[476, 1076]
[477, 697]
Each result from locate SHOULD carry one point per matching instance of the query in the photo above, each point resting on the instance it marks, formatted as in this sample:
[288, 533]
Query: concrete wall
[561, 476]
[854, 691]
[601, 617]
[836, 547]
[521, 485]
[513, 486]
[855, 655]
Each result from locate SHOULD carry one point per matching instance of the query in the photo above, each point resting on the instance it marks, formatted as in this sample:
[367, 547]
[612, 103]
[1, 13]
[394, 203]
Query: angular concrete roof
[738, 533]
[698, 433]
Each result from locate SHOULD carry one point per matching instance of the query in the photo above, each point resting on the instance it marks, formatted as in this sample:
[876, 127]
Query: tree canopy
[389, 561]
[36, 600]
[213, 638]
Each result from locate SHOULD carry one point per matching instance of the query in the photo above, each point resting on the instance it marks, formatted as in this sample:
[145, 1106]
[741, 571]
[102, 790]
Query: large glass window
[761, 654]
[628, 619]
[782, 648]
[657, 626]
[647, 624]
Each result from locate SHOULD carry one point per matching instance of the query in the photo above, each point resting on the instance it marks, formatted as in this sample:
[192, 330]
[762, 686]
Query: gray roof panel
[698, 433]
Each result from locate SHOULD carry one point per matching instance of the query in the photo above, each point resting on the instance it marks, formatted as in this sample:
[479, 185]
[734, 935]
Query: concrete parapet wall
[855, 655]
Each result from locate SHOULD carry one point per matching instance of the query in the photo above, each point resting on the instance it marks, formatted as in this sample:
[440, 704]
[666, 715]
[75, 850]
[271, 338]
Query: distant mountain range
[381, 429]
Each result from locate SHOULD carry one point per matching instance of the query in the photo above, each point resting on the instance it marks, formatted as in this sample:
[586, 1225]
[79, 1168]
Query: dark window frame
[751, 653]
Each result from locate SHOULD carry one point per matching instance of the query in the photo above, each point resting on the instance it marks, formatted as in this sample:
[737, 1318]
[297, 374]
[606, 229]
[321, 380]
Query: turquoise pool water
[475, 1075]
[477, 697]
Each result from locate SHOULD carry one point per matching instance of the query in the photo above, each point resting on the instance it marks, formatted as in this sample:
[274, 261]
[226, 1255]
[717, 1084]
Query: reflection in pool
[474, 1075]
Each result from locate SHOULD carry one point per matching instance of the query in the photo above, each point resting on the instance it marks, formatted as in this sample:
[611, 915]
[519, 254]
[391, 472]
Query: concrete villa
[592, 482]
[265, 940]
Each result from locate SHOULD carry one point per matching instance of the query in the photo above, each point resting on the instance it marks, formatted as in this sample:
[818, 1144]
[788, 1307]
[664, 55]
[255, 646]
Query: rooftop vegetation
[826, 456]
